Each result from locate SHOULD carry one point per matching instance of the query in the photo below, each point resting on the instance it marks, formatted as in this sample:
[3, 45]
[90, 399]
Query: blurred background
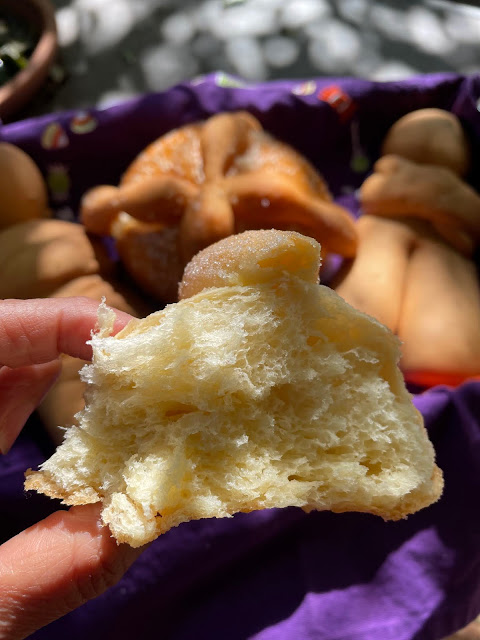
[115, 49]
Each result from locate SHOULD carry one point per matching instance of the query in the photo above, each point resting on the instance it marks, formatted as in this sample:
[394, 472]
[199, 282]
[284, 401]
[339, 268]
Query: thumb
[54, 567]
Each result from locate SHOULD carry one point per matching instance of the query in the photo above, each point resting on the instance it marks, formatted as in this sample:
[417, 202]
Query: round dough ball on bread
[430, 136]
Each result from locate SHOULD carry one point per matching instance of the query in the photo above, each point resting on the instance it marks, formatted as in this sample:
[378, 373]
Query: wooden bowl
[41, 15]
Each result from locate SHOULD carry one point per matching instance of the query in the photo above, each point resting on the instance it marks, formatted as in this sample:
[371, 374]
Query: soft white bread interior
[262, 389]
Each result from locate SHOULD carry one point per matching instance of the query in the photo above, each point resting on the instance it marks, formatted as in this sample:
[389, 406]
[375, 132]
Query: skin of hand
[61, 562]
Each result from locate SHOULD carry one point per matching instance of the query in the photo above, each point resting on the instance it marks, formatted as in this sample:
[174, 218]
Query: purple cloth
[276, 574]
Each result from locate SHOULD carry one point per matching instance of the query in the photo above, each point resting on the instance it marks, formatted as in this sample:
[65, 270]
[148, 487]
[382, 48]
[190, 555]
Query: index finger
[38, 331]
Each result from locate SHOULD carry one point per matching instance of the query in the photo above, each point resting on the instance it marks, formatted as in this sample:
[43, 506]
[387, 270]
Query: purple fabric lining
[278, 574]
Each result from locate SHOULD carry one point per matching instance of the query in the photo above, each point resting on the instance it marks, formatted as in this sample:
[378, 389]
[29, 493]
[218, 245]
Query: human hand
[61, 562]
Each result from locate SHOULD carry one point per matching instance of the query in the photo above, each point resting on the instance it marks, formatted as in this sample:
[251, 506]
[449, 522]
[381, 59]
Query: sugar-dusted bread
[261, 389]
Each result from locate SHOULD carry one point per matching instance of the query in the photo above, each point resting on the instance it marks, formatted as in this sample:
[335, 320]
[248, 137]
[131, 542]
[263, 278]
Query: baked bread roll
[203, 182]
[261, 389]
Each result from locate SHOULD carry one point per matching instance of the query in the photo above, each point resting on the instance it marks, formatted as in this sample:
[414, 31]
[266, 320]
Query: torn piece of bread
[262, 389]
